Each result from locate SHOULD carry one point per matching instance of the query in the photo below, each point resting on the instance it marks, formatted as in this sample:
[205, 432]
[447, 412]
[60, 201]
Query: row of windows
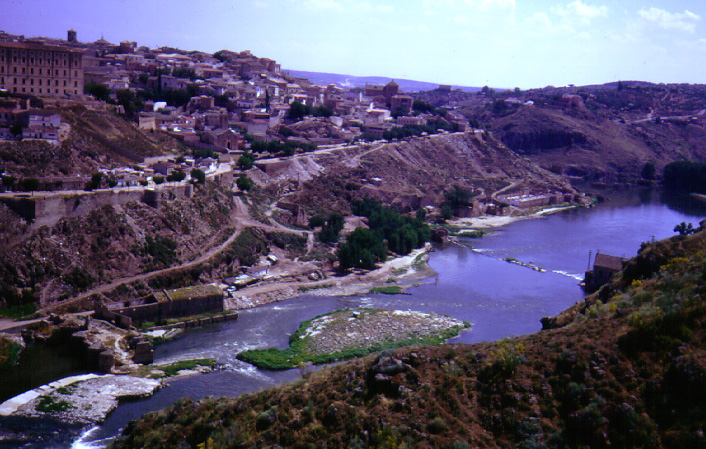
[47, 91]
[48, 60]
[31, 71]
[48, 63]
[31, 82]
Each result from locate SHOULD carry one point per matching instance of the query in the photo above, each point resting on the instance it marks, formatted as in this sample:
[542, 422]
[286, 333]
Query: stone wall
[47, 209]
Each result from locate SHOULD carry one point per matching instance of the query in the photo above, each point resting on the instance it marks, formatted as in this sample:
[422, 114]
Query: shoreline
[405, 271]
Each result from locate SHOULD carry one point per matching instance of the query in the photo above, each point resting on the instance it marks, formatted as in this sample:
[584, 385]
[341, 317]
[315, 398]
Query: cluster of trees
[162, 249]
[297, 111]
[422, 106]
[431, 127]
[246, 161]
[275, 146]
[454, 200]
[198, 176]
[244, 183]
[330, 227]
[685, 175]
[388, 230]
[133, 102]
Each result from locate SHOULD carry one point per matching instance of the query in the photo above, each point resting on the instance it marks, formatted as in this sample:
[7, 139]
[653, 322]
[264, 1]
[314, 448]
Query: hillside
[415, 173]
[600, 133]
[93, 140]
[49, 263]
[630, 372]
[351, 81]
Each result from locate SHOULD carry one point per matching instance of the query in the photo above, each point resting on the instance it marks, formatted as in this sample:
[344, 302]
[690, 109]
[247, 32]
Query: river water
[478, 285]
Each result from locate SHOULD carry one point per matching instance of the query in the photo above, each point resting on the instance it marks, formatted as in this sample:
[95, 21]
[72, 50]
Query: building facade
[41, 70]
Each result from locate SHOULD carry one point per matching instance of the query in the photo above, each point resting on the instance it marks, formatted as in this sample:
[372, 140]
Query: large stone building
[41, 70]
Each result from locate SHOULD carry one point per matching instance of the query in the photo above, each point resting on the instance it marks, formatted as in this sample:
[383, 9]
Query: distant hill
[349, 81]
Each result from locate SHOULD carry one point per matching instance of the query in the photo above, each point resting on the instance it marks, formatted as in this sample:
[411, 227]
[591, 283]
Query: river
[478, 285]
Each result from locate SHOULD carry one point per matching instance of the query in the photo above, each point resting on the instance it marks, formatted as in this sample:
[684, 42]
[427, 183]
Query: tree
[244, 183]
[316, 221]
[8, 181]
[331, 228]
[131, 103]
[30, 184]
[648, 171]
[246, 161]
[362, 249]
[16, 129]
[446, 211]
[176, 175]
[220, 55]
[158, 179]
[684, 229]
[297, 110]
[99, 91]
[198, 176]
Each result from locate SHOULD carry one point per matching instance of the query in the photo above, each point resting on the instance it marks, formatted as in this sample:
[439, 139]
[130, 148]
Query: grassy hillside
[626, 369]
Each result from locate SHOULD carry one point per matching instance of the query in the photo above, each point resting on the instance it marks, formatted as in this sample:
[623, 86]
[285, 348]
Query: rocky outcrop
[86, 399]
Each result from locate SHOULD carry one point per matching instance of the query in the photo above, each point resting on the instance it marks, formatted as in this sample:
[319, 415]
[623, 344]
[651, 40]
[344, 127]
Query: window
[31, 71]
[40, 71]
[23, 70]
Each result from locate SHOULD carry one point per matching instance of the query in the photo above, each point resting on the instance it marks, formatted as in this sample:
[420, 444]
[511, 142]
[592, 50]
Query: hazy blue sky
[502, 43]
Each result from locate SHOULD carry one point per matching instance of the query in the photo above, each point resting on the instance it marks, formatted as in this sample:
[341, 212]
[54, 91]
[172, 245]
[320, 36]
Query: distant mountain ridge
[350, 81]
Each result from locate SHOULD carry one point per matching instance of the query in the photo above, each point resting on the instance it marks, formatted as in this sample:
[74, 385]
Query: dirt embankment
[406, 174]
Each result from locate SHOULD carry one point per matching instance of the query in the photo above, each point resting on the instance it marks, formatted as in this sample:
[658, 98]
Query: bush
[362, 250]
[246, 161]
[316, 221]
[331, 228]
[198, 176]
[244, 183]
[436, 426]
[176, 176]
[162, 249]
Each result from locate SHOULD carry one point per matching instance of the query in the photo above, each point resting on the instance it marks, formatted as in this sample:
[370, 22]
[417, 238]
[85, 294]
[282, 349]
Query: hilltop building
[40, 69]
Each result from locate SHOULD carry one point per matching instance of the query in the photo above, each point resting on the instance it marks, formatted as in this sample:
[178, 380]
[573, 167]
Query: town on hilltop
[218, 103]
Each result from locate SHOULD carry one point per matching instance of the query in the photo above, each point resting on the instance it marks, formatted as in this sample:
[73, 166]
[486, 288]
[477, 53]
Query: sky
[499, 43]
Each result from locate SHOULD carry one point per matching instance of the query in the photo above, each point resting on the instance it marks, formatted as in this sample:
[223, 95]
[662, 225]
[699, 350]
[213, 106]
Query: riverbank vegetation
[9, 352]
[685, 175]
[345, 334]
[389, 230]
[174, 369]
[623, 369]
